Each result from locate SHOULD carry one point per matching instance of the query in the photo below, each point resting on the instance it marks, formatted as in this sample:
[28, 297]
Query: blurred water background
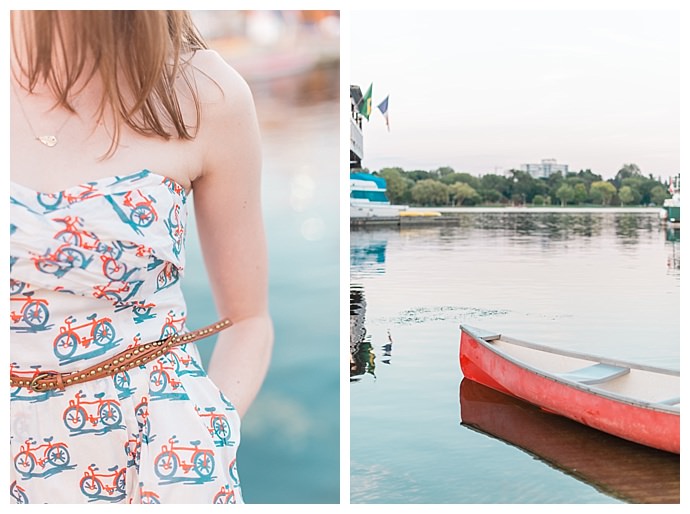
[604, 282]
[291, 434]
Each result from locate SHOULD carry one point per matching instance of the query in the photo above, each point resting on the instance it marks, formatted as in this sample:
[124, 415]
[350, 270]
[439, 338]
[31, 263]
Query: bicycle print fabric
[96, 269]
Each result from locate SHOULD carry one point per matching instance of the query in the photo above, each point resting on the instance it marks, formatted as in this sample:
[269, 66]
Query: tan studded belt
[125, 360]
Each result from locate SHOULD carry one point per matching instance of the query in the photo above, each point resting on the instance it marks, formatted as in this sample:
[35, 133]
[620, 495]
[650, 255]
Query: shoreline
[451, 214]
[616, 209]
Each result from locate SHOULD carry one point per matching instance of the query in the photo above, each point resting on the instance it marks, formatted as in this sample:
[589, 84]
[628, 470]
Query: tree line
[446, 187]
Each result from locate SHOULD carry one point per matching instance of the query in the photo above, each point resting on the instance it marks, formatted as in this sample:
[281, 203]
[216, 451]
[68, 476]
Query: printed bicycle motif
[73, 235]
[118, 292]
[53, 201]
[33, 312]
[225, 495]
[175, 229]
[54, 456]
[111, 268]
[122, 383]
[135, 209]
[218, 426]
[173, 325]
[171, 462]
[167, 276]
[176, 188]
[114, 269]
[63, 259]
[143, 213]
[184, 363]
[16, 286]
[105, 414]
[141, 412]
[99, 332]
[133, 451]
[141, 311]
[149, 497]
[94, 485]
[163, 382]
[18, 493]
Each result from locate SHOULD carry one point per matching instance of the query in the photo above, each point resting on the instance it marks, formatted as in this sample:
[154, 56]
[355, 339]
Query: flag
[365, 103]
[383, 107]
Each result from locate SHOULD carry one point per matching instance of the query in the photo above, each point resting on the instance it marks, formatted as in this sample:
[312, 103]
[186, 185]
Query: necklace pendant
[49, 141]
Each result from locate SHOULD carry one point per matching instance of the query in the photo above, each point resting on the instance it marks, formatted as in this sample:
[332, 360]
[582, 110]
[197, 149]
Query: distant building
[545, 168]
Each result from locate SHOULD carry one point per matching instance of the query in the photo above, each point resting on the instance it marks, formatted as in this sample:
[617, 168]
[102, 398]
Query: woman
[117, 117]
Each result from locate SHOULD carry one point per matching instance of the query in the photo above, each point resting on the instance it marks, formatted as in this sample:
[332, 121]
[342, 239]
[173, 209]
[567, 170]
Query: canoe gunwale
[569, 353]
[590, 389]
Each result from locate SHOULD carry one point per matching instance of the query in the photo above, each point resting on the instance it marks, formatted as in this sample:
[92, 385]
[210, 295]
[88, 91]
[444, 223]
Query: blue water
[603, 283]
[290, 450]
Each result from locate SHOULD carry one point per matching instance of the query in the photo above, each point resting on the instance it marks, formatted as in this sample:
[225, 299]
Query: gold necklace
[49, 140]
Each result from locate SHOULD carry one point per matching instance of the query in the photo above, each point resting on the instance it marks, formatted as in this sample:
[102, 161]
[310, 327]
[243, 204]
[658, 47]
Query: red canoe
[631, 401]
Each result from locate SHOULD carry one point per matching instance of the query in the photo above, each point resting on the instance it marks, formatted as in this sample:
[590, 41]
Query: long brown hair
[138, 56]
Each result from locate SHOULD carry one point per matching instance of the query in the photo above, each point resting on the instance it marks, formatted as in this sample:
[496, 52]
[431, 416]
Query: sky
[488, 91]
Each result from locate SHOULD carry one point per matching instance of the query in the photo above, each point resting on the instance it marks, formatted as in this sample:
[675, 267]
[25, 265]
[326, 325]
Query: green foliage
[465, 178]
[491, 196]
[429, 192]
[445, 186]
[641, 187]
[628, 195]
[462, 193]
[521, 187]
[565, 194]
[499, 183]
[580, 193]
[554, 181]
[396, 184]
[658, 195]
[602, 192]
[627, 171]
[588, 177]
[418, 175]
[444, 171]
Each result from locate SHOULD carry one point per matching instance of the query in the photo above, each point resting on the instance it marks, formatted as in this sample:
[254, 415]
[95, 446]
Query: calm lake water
[602, 282]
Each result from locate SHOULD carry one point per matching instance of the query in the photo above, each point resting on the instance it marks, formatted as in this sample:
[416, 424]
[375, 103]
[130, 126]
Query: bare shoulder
[219, 84]
[228, 134]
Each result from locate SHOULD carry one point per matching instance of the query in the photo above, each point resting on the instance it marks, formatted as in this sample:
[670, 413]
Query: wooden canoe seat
[595, 374]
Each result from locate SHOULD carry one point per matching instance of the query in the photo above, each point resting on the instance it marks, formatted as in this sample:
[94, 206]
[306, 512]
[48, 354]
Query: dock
[402, 221]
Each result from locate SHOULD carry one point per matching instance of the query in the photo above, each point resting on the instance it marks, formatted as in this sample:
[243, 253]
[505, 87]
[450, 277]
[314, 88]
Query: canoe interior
[650, 386]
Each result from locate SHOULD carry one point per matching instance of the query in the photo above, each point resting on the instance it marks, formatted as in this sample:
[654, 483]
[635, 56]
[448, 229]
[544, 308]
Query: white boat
[368, 198]
[671, 212]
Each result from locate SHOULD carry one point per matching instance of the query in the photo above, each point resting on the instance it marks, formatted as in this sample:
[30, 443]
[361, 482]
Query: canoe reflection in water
[619, 468]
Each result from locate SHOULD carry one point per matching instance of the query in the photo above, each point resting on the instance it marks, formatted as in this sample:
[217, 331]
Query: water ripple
[441, 313]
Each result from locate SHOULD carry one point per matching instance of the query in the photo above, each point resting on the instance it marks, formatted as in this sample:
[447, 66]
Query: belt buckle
[34, 385]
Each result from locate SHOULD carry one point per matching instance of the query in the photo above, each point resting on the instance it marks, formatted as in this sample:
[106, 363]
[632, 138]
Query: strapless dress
[95, 269]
